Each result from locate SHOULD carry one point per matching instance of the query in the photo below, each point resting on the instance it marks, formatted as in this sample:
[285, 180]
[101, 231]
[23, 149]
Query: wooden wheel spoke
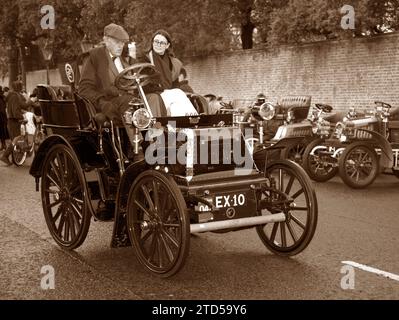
[292, 231]
[160, 252]
[57, 214]
[298, 193]
[53, 181]
[289, 185]
[73, 225]
[169, 253]
[283, 234]
[155, 190]
[274, 232]
[75, 211]
[281, 180]
[172, 239]
[78, 204]
[61, 168]
[56, 171]
[144, 189]
[171, 225]
[61, 225]
[299, 209]
[67, 227]
[152, 252]
[146, 236]
[66, 164]
[52, 205]
[141, 207]
[298, 222]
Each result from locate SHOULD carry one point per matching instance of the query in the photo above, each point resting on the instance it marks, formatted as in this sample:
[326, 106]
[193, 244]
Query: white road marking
[372, 270]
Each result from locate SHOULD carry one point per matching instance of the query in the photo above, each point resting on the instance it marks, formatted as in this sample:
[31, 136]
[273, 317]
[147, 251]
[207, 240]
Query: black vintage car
[360, 146]
[89, 167]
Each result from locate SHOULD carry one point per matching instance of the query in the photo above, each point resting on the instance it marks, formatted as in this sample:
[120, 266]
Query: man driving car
[100, 69]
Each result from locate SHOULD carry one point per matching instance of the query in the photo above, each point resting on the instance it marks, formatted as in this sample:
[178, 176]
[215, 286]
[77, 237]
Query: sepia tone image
[199, 150]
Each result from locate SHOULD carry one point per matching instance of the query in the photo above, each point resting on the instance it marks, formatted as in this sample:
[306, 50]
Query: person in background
[260, 99]
[3, 118]
[15, 104]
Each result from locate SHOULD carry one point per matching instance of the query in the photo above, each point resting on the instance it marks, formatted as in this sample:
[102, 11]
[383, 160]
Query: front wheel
[318, 163]
[19, 153]
[358, 165]
[158, 223]
[289, 191]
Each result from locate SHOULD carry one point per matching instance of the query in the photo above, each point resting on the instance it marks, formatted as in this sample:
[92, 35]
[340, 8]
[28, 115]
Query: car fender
[120, 236]
[38, 161]
[379, 141]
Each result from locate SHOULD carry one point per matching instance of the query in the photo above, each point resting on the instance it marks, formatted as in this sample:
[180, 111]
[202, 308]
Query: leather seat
[299, 105]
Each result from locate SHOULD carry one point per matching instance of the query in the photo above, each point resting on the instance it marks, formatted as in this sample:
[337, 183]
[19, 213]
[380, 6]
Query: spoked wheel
[294, 152]
[64, 198]
[317, 163]
[358, 165]
[19, 154]
[158, 223]
[289, 191]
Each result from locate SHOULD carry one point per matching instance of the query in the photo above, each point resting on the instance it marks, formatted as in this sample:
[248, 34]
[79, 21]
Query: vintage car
[88, 166]
[286, 121]
[359, 148]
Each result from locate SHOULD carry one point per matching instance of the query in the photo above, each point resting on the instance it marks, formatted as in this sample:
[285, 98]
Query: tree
[297, 21]
[197, 26]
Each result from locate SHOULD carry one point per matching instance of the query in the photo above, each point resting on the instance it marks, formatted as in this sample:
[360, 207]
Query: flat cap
[115, 31]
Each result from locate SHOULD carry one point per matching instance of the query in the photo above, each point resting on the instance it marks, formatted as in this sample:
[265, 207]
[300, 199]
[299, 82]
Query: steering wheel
[141, 73]
[383, 104]
[324, 107]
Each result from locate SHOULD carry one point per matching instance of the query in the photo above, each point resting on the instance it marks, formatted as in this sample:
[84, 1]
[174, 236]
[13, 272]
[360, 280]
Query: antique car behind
[87, 166]
[359, 148]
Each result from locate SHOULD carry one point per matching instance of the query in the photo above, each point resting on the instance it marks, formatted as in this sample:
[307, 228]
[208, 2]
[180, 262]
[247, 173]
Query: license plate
[223, 201]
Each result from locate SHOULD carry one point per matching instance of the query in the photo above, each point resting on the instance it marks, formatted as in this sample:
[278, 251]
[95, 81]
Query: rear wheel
[358, 165]
[64, 198]
[317, 163]
[289, 191]
[19, 152]
[294, 152]
[158, 223]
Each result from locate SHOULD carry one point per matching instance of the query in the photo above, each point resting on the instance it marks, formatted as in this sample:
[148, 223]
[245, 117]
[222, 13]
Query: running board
[236, 223]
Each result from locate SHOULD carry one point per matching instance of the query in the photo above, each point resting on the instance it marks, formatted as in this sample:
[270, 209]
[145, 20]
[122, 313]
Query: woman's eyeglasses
[160, 43]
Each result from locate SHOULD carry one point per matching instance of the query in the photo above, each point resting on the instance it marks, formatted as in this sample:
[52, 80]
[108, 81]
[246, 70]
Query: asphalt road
[360, 226]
